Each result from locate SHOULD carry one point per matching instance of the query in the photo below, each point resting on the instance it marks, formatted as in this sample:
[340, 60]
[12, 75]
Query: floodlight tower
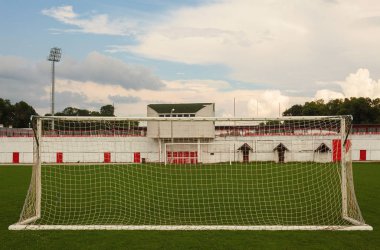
[54, 56]
[171, 124]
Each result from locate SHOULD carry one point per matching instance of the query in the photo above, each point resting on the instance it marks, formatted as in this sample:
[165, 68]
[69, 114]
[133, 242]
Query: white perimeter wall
[370, 143]
[92, 149]
[23, 145]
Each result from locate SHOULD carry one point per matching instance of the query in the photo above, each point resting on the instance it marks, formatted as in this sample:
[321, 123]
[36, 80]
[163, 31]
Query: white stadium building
[200, 141]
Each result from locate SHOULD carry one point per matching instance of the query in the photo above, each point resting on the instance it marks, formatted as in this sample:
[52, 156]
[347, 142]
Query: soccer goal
[191, 173]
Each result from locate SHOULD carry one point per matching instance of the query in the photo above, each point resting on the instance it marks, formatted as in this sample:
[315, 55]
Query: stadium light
[171, 124]
[54, 56]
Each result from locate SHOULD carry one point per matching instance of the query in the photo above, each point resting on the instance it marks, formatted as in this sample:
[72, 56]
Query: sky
[264, 56]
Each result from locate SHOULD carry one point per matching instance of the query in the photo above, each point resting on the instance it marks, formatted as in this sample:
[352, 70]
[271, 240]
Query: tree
[6, 110]
[22, 113]
[333, 106]
[70, 111]
[314, 108]
[363, 110]
[17, 115]
[295, 110]
[107, 110]
[376, 110]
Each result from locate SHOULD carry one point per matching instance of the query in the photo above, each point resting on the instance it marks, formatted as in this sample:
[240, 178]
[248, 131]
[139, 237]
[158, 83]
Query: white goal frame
[26, 224]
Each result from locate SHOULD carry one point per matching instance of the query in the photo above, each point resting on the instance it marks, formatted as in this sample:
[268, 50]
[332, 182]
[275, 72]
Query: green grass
[14, 181]
[213, 194]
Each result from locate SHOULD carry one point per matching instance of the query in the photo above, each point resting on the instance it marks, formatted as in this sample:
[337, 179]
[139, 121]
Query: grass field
[14, 181]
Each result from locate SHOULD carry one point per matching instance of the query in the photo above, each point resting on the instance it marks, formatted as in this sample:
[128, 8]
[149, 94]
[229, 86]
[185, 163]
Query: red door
[107, 157]
[136, 157]
[16, 157]
[59, 157]
[363, 155]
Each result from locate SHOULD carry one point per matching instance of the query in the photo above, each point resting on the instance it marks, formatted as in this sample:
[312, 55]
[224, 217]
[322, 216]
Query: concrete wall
[207, 111]
[181, 129]
[22, 145]
[368, 142]
[92, 149]
[122, 149]
[301, 149]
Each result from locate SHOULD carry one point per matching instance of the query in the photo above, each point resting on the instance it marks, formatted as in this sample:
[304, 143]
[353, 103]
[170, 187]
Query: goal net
[191, 173]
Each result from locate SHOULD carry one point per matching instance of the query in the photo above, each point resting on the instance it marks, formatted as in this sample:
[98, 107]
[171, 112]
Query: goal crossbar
[224, 119]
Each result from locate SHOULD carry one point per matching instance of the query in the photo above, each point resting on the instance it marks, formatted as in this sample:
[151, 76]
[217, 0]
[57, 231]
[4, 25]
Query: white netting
[192, 174]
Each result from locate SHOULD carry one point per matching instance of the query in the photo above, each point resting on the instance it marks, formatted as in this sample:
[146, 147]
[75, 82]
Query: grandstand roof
[245, 147]
[178, 107]
[323, 148]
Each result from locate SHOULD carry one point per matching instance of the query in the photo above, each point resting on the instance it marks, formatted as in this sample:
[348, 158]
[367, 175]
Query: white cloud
[358, 84]
[104, 69]
[97, 79]
[92, 82]
[328, 95]
[94, 92]
[287, 45]
[292, 45]
[249, 103]
[94, 24]
[269, 103]
[133, 102]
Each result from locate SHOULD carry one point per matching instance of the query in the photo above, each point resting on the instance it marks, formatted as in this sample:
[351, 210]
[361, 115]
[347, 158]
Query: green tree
[70, 111]
[17, 115]
[22, 113]
[107, 110]
[6, 112]
[333, 106]
[376, 110]
[295, 110]
[314, 108]
[363, 110]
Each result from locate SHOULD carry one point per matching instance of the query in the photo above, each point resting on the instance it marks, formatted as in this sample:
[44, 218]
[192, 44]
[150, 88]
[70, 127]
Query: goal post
[191, 173]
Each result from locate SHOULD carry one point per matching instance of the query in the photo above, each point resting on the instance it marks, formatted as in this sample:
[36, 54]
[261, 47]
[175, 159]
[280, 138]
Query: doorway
[281, 155]
[281, 152]
[246, 156]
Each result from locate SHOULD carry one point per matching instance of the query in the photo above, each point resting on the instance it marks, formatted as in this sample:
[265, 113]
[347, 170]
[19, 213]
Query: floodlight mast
[54, 56]
[171, 124]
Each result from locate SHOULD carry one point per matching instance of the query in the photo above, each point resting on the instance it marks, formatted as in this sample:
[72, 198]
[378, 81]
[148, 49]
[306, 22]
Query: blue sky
[132, 53]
